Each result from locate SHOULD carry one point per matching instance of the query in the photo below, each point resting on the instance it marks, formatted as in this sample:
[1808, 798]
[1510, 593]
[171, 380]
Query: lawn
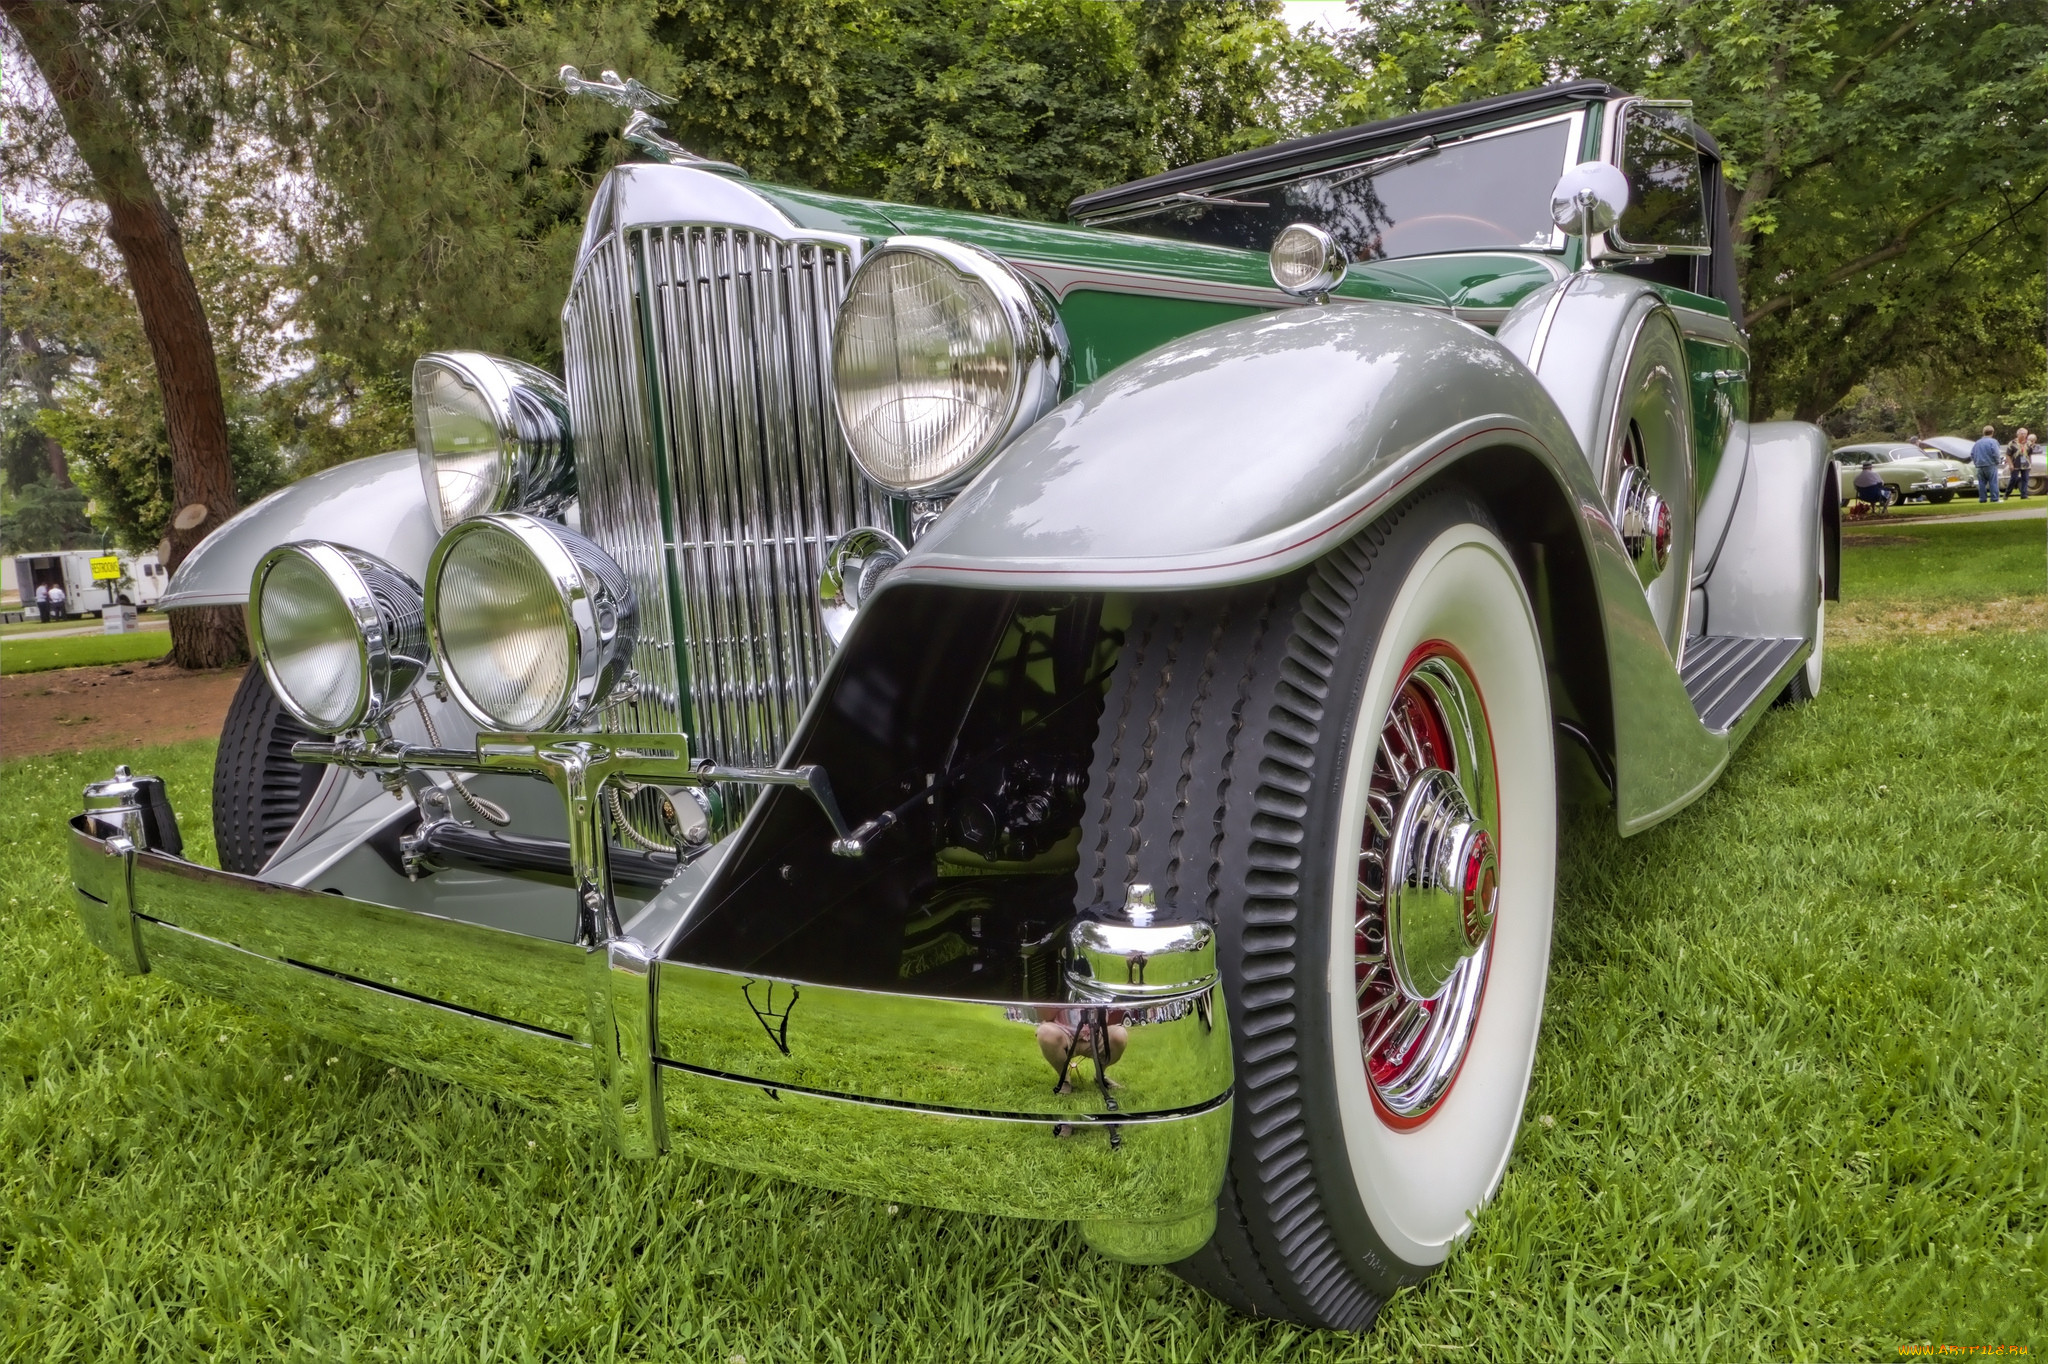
[1962, 506]
[1788, 1104]
[32, 655]
[1950, 561]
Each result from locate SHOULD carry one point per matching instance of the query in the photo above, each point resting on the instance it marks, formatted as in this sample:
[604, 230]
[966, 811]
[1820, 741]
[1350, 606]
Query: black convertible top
[1324, 147]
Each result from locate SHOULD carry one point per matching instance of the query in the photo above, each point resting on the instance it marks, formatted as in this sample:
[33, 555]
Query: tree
[1888, 156]
[101, 126]
[46, 516]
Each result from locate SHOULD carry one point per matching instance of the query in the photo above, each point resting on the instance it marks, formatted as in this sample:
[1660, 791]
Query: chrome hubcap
[1441, 884]
[1428, 887]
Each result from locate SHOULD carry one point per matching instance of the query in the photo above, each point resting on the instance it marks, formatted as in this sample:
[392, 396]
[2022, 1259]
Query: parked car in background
[1053, 720]
[1958, 448]
[1908, 470]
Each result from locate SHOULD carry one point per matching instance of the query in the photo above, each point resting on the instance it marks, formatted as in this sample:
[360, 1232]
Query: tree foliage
[362, 180]
[1890, 157]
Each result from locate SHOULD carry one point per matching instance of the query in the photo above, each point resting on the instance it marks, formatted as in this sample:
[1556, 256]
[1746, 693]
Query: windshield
[1486, 192]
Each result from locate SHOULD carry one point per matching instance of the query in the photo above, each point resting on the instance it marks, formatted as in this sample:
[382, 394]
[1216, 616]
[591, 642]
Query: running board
[1726, 675]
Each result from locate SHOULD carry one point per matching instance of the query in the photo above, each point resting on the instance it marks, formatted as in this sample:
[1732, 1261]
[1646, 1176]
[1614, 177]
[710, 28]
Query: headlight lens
[341, 635]
[1306, 261]
[534, 625]
[941, 353]
[492, 433]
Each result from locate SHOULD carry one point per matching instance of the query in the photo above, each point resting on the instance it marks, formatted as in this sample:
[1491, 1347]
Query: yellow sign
[106, 567]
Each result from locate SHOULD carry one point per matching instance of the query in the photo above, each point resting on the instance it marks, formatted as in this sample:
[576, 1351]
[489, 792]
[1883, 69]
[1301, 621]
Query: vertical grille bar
[728, 405]
[619, 482]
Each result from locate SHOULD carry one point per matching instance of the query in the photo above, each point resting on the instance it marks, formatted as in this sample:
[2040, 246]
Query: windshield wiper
[1175, 201]
[1414, 151]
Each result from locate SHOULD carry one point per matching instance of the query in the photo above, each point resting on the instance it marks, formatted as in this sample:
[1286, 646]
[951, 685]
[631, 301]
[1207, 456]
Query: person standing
[2022, 462]
[57, 600]
[43, 602]
[1985, 456]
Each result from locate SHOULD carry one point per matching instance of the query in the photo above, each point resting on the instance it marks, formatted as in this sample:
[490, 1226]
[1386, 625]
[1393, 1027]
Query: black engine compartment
[970, 717]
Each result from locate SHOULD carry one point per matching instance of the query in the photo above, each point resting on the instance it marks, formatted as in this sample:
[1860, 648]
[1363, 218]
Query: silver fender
[376, 504]
[1240, 452]
[1766, 580]
[1252, 448]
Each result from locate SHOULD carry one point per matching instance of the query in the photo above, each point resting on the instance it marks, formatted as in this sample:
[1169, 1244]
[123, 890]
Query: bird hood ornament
[643, 129]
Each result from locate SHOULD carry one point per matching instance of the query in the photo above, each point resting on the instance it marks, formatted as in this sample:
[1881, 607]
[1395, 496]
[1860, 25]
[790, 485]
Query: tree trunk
[180, 342]
[53, 459]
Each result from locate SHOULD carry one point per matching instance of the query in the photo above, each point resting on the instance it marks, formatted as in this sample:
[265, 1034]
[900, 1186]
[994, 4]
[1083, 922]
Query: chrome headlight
[1306, 261]
[340, 634]
[533, 624]
[941, 353]
[492, 433]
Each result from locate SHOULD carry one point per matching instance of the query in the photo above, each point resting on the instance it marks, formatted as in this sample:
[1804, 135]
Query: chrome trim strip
[1063, 279]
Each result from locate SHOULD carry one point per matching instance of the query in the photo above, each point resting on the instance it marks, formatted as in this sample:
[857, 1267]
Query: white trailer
[91, 580]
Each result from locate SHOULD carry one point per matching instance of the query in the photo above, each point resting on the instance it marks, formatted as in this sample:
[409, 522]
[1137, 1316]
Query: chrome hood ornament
[643, 129]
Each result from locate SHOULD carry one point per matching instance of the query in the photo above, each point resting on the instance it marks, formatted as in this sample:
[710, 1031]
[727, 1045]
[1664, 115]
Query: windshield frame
[1131, 218]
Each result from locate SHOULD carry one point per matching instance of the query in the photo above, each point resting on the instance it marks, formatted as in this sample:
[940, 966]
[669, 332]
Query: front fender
[1241, 452]
[1252, 448]
[376, 504]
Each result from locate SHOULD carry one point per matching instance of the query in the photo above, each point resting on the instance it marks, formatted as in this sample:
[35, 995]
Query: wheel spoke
[1396, 769]
[1409, 1009]
[1369, 895]
[1370, 978]
[1377, 1007]
[1379, 812]
[1405, 727]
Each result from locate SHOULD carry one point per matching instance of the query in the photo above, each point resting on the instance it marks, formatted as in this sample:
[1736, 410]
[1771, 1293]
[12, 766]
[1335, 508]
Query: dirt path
[74, 709]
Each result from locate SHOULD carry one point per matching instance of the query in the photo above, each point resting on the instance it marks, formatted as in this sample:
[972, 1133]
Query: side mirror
[1588, 200]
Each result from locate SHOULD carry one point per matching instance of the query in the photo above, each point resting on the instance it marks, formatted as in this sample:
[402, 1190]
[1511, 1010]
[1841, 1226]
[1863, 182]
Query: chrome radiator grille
[709, 463]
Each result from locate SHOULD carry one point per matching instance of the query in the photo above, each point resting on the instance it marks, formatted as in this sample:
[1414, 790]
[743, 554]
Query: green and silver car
[1063, 721]
[1910, 471]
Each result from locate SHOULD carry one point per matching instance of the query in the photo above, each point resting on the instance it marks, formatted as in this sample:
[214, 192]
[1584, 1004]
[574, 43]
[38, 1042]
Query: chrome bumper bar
[943, 1102]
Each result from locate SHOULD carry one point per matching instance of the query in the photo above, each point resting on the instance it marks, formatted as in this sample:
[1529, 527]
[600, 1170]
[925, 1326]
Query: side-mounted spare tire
[1349, 772]
[259, 789]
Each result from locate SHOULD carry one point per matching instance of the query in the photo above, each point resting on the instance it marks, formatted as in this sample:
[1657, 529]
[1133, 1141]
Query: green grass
[1962, 506]
[81, 651]
[1954, 561]
[1788, 1104]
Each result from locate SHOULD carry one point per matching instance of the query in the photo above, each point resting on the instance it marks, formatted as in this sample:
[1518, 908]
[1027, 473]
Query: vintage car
[1064, 721]
[1909, 470]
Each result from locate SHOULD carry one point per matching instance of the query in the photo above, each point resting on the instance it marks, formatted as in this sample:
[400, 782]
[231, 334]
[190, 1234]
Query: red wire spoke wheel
[1428, 886]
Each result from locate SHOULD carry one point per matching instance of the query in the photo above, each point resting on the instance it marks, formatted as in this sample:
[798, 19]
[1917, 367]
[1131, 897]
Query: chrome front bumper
[944, 1102]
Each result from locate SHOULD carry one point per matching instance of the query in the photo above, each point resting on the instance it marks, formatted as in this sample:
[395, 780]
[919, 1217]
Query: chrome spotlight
[493, 435]
[340, 634]
[533, 624]
[1306, 261]
[854, 567]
